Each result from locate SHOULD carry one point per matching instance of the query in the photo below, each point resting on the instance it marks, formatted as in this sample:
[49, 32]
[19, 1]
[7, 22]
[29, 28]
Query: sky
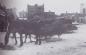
[57, 6]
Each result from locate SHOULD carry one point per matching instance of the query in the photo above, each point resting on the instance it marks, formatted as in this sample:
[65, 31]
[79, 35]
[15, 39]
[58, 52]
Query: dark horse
[14, 26]
[6, 19]
[4, 23]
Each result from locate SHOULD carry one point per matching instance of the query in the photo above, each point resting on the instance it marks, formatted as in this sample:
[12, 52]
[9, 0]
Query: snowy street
[71, 44]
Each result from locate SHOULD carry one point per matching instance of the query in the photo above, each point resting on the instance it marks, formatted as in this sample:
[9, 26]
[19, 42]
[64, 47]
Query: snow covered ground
[72, 44]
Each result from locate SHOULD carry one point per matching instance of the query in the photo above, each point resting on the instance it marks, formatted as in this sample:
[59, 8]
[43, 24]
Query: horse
[21, 27]
[3, 25]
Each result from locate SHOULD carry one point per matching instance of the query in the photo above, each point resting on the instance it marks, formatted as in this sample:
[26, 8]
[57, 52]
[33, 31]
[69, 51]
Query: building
[36, 9]
[68, 15]
[22, 14]
[83, 9]
[49, 14]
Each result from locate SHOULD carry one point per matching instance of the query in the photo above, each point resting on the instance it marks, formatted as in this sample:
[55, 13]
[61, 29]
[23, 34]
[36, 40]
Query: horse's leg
[6, 38]
[36, 39]
[21, 40]
[13, 35]
[25, 38]
[15, 38]
[30, 38]
[40, 40]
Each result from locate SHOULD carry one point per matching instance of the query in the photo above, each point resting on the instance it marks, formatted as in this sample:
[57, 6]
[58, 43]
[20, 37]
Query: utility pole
[82, 8]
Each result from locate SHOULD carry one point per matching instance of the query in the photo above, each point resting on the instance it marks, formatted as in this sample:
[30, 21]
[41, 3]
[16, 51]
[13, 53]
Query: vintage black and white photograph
[42, 27]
